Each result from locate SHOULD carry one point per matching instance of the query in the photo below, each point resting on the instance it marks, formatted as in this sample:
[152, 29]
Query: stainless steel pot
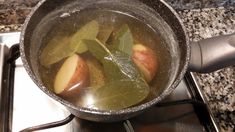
[203, 56]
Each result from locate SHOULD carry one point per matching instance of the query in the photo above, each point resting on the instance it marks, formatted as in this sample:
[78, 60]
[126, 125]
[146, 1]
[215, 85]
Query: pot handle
[212, 54]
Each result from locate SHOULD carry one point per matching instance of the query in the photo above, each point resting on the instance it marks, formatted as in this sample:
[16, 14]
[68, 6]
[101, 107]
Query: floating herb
[123, 77]
[100, 52]
[104, 33]
[88, 31]
[61, 47]
[123, 40]
[55, 50]
[118, 94]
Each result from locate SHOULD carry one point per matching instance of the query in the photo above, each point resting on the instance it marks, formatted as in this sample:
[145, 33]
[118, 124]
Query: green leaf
[97, 49]
[117, 65]
[61, 47]
[118, 94]
[125, 87]
[104, 33]
[123, 40]
[88, 31]
[100, 51]
[56, 50]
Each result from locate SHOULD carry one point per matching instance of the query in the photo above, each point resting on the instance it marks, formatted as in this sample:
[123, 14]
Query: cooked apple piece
[146, 60]
[71, 77]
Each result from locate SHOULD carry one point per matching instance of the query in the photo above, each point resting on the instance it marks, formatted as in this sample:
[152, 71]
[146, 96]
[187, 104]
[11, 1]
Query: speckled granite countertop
[202, 19]
[219, 86]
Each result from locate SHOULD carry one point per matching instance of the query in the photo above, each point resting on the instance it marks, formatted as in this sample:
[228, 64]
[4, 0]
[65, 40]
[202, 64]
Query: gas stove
[24, 105]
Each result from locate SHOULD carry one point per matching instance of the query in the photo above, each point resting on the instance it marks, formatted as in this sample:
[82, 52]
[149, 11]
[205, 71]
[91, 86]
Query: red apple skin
[79, 80]
[146, 60]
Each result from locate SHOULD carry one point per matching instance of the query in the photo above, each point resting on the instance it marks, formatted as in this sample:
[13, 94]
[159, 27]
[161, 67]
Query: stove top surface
[30, 107]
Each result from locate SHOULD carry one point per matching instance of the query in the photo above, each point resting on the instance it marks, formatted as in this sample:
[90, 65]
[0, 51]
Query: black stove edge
[8, 88]
[203, 112]
[3, 91]
[4, 94]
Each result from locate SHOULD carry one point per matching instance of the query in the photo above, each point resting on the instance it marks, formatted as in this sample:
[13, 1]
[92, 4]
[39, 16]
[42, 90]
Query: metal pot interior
[159, 16]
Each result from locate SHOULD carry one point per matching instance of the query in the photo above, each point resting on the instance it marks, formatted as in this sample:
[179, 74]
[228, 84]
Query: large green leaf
[125, 87]
[123, 40]
[118, 94]
[101, 52]
[55, 50]
[88, 31]
[104, 33]
[97, 49]
[61, 47]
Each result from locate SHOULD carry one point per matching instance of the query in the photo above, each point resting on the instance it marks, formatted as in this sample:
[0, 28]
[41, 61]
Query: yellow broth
[107, 19]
